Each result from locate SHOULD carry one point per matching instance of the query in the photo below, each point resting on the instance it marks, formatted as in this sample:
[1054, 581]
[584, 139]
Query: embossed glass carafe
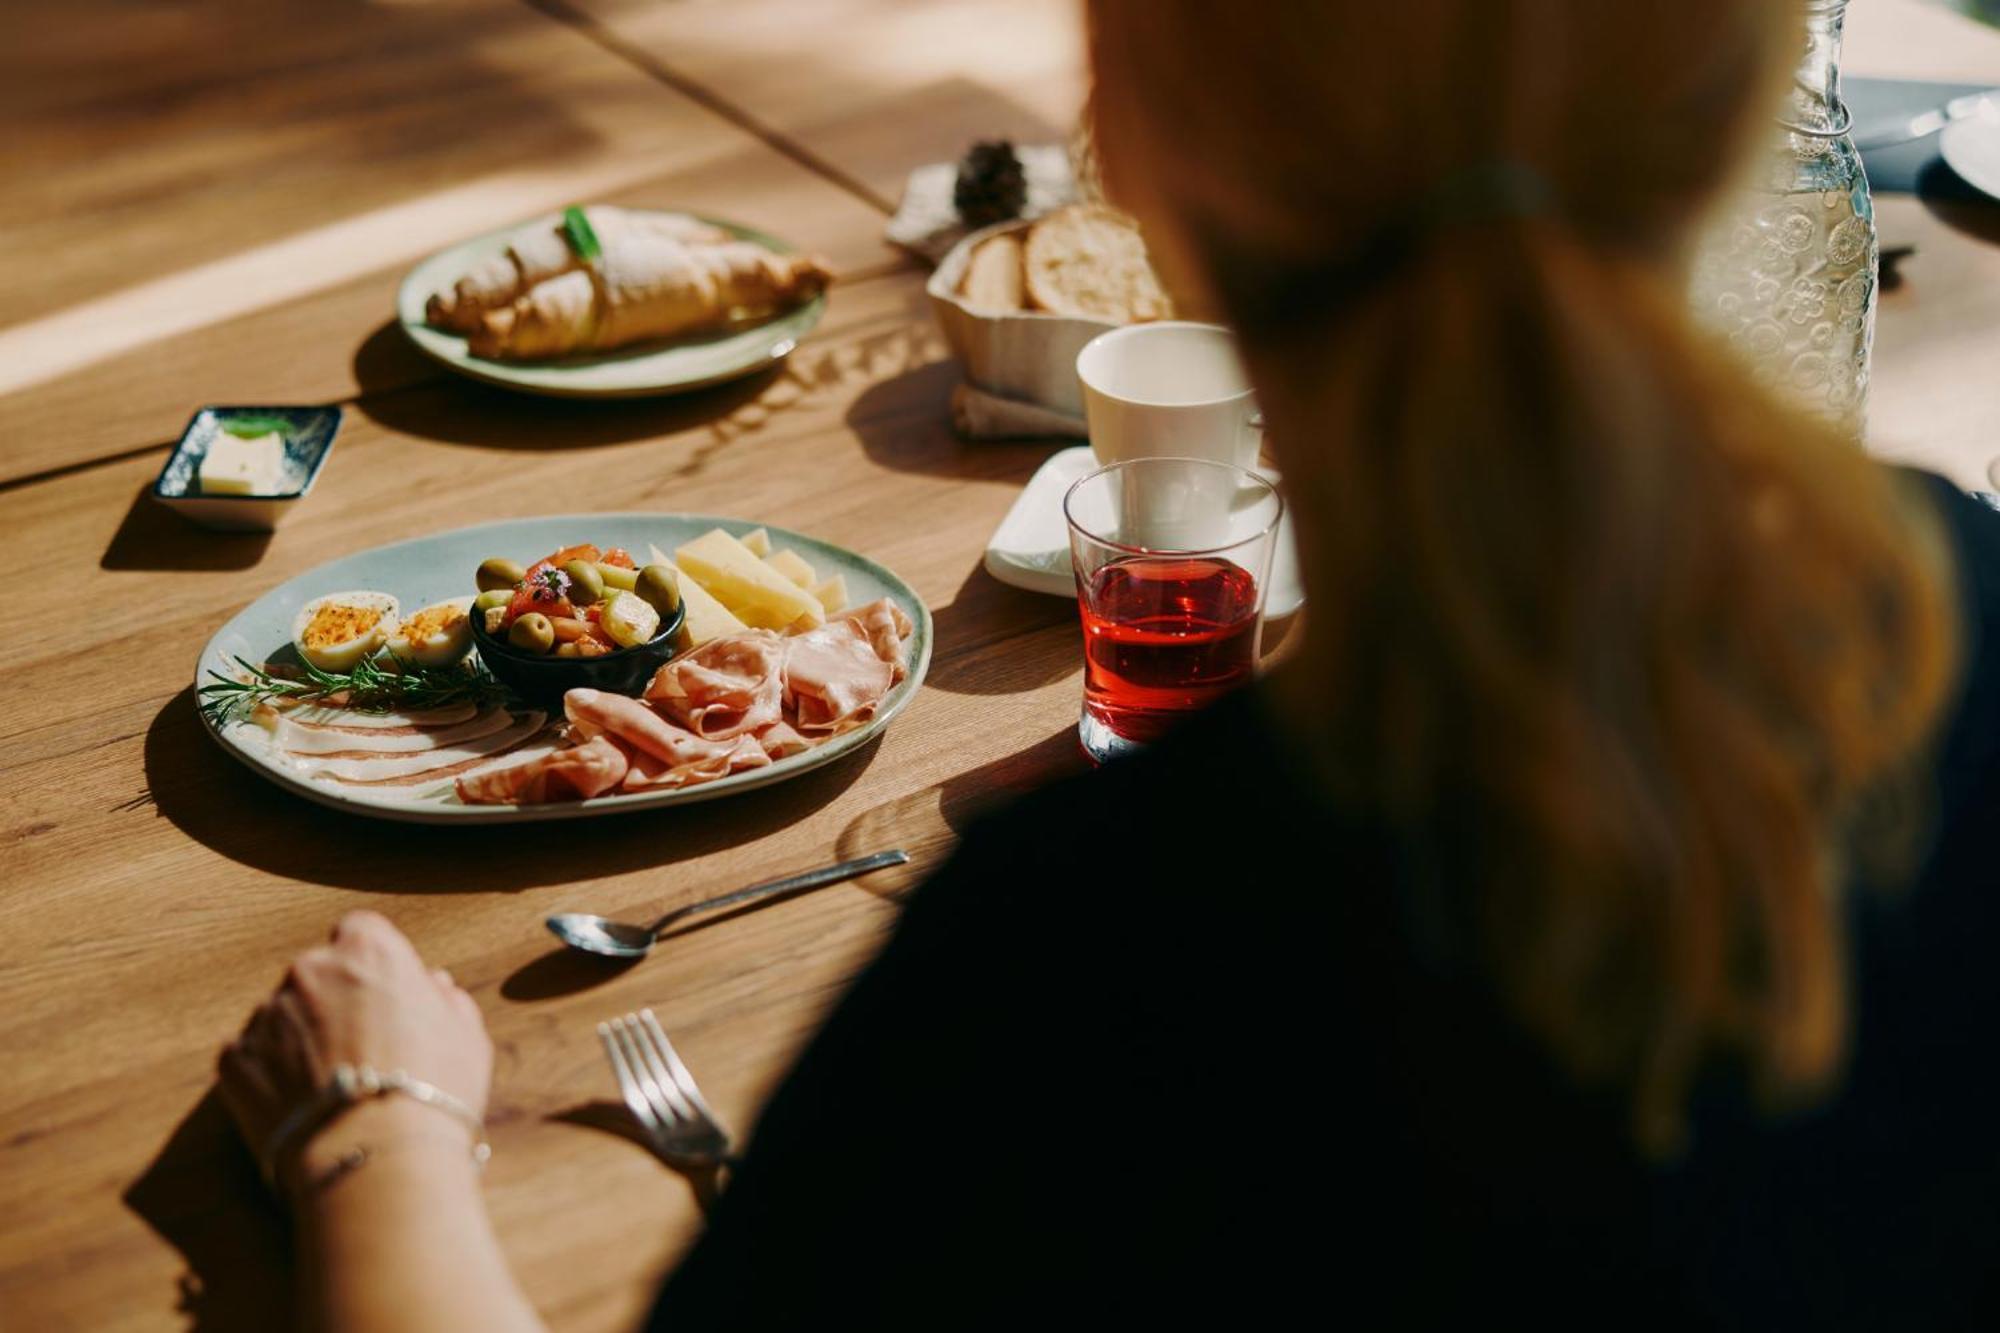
[1787, 272]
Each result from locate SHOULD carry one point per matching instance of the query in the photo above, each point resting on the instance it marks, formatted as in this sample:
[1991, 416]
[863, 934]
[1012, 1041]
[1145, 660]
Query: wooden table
[214, 204]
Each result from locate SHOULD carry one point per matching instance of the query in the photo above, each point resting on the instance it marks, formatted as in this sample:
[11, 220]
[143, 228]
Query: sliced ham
[834, 677]
[780, 741]
[573, 774]
[725, 757]
[737, 703]
[595, 713]
[887, 629]
[725, 688]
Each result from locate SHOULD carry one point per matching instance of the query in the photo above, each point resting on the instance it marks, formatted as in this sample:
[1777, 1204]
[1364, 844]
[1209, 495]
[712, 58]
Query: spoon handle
[810, 879]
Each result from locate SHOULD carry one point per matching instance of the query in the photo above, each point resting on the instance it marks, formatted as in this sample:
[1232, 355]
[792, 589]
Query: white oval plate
[673, 365]
[1971, 147]
[430, 569]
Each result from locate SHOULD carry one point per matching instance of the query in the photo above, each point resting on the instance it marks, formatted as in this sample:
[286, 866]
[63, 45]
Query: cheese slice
[706, 618]
[758, 542]
[758, 595]
[793, 567]
[832, 594]
[234, 465]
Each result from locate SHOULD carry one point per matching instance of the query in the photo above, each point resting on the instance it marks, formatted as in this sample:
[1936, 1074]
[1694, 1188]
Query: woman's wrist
[382, 1135]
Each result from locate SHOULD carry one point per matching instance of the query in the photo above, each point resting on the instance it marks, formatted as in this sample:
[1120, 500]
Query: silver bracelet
[355, 1083]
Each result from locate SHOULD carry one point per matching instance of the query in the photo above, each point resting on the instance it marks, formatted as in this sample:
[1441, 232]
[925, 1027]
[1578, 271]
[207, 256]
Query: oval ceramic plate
[430, 569]
[673, 365]
[1971, 146]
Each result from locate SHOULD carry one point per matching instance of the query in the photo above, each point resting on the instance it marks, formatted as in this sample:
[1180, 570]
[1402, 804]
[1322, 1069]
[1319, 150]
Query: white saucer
[1030, 548]
[1971, 147]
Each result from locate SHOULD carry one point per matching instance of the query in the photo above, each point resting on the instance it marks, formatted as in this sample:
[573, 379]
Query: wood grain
[276, 167]
[891, 84]
[154, 888]
[200, 879]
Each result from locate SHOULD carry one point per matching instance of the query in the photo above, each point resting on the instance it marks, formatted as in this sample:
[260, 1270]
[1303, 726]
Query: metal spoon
[619, 939]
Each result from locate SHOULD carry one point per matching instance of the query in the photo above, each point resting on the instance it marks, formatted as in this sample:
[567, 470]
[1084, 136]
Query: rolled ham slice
[780, 741]
[726, 687]
[737, 703]
[595, 713]
[573, 774]
[887, 629]
[834, 677]
[726, 757]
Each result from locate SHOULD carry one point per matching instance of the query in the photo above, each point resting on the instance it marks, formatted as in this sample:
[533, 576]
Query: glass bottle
[1787, 270]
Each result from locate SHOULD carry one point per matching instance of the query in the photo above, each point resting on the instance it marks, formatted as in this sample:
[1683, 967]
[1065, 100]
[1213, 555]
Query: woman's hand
[362, 998]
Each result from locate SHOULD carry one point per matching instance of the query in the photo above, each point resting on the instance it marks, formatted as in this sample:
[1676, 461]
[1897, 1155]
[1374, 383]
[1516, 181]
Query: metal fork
[661, 1093]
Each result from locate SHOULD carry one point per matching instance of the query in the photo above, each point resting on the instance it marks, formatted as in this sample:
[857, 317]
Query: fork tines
[660, 1091]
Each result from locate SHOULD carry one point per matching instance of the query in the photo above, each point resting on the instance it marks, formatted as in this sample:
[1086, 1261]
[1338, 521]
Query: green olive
[498, 573]
[658, 585]
[617, 576]
[586, 585]
[491, 598]
[532, 632]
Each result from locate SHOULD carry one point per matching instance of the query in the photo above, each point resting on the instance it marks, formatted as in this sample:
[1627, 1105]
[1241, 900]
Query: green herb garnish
[249, 428]
[582, 238]
[373, 686]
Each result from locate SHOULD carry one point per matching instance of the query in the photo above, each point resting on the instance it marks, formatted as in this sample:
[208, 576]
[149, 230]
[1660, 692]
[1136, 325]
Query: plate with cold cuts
[418, 764]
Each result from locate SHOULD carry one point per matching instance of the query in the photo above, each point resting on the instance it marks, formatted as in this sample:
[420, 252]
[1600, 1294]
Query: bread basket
[1020, 354]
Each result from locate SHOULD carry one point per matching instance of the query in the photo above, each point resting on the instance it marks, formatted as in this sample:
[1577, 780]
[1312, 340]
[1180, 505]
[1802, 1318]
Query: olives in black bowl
[541, 679]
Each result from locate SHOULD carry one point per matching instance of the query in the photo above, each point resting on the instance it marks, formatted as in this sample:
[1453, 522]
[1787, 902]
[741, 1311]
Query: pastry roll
[536, 254]
[646, 286]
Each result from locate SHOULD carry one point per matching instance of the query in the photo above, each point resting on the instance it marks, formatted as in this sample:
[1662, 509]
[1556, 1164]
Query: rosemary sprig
[373, 686]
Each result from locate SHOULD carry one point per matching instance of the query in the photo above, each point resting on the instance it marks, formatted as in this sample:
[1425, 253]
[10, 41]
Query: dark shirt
[1155, 1047]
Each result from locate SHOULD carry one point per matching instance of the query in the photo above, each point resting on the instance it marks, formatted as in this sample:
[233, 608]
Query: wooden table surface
[214, 203]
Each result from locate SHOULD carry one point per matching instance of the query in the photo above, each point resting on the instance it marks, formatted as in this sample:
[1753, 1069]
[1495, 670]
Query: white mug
[1173, 389]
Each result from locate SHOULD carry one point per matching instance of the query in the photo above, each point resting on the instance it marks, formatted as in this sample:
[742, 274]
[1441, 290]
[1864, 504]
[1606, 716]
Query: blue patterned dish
[308, 436]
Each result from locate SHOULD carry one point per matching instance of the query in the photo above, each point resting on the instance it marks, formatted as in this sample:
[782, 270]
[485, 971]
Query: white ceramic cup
[1168, 390]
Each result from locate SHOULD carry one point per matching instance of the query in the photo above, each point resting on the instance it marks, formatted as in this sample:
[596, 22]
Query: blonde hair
[1631, 640]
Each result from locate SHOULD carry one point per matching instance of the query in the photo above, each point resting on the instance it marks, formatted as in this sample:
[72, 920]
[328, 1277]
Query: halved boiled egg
[340, 629]
[436, 636]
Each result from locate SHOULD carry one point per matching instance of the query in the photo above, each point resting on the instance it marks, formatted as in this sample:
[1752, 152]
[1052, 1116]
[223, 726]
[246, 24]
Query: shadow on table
[983, 644]
[929, 823]
[1961, 206]
[455, 410]
[224, 806]
[154, 537]
[203, 1196]
[612, 1118]
[904, 422]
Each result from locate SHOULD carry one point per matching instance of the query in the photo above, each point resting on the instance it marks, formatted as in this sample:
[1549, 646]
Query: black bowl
[542, 679]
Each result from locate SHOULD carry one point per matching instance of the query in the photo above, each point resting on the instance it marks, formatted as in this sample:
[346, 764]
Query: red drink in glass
[1170, 557]
[1164, 635]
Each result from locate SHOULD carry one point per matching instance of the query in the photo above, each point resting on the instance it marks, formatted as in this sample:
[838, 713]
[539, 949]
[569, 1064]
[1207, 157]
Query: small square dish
[307, 434]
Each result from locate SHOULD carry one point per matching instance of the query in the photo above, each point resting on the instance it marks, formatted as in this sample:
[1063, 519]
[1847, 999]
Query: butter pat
[238, 466]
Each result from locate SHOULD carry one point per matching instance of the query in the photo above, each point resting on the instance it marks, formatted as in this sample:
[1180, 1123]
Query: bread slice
[993, 279]
[1089, 261]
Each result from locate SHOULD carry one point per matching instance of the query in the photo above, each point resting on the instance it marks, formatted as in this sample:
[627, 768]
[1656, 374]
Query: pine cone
[991, 186]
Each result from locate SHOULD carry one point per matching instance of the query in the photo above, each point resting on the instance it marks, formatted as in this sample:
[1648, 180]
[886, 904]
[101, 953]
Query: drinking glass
[1171, 557]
